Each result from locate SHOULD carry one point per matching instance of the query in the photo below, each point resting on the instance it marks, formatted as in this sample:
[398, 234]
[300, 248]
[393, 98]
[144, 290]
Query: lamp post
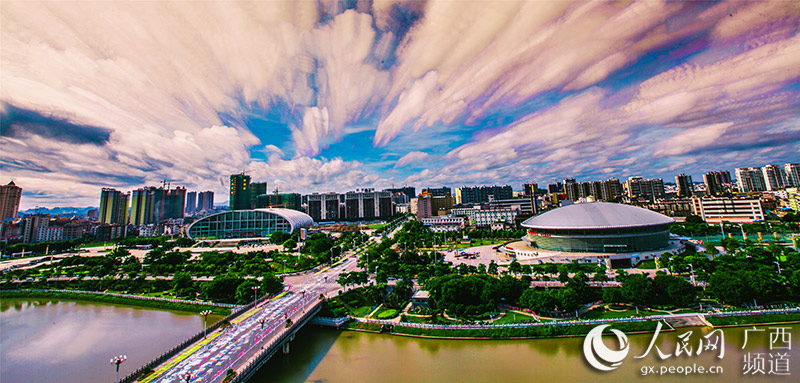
[255, 288]
[779, 266]
[205, 314]
[186, 377]
[284, 266]
[693, 281]
[117, 360]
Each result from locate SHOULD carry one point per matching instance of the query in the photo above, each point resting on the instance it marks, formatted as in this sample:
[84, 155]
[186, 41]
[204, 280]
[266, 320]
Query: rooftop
[597, 215]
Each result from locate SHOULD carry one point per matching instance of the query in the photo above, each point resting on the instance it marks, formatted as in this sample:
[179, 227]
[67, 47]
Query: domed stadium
[599, 227]
[257, 223]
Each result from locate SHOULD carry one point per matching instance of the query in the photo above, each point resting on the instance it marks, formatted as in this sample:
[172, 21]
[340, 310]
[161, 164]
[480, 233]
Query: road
[209, 359]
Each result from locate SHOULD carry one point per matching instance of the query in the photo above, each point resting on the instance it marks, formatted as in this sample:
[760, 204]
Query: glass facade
[239, 224]
[616, 240]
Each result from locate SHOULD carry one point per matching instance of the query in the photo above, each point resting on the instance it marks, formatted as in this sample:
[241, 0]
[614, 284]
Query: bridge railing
[196, 337]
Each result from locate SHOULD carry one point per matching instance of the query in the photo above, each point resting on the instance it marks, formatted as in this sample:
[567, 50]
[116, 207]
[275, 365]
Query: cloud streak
[319, 96]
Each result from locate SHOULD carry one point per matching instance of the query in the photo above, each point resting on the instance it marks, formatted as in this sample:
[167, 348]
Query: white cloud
[410, 158]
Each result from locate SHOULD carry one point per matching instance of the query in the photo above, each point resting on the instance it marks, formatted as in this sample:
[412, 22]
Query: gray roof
[596, 215]
[296, 218]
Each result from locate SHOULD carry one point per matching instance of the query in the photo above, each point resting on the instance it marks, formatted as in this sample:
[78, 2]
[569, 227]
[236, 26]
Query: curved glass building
[257, 223]
[599, 227]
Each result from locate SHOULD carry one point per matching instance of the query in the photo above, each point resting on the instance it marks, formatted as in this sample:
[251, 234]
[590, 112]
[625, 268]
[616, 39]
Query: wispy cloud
[123, 94]
[409, 158]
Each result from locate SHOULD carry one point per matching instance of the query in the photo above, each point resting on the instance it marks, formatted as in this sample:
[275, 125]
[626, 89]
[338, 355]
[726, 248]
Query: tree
[515, 267]
[694, 219]
[182, 283]
[245, 293]
[222, 288]
[636, 289]
[271, 284]
[492, 269]
[613, 295]
[278, 237]
[289, 245]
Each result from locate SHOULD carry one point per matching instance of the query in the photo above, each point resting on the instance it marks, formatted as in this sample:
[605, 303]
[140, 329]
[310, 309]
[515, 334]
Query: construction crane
[276, 204]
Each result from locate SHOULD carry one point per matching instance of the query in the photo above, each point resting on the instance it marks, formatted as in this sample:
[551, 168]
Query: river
[326, 355]
[49, 341]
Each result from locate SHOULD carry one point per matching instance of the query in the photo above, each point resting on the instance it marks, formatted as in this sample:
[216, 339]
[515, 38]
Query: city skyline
[321, 97]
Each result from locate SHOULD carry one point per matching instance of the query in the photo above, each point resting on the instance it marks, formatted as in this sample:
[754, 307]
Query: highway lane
[209, 359]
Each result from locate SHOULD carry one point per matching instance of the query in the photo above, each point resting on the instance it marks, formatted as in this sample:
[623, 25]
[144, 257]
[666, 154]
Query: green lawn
[427, 319]
[598, 314]
[385, 313]
[376, 226]
[753, 319]
[648, 264]
[361, 311]
[514, 318]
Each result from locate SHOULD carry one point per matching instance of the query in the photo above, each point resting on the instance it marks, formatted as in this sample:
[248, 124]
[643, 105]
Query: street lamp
[779, 266]
[284, 266]
[693, 281]
[255, 288]
[118, 360]
[205, 314]
[187, 377]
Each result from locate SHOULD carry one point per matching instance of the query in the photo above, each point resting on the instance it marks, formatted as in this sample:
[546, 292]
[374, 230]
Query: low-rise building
[716, 210]
[488, 217]
[445, 223]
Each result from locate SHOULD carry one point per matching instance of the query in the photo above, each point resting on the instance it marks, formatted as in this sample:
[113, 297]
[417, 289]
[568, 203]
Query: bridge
[252, 337]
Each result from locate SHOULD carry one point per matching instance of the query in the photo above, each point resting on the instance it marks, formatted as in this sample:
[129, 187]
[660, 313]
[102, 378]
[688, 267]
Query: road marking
[180, 358]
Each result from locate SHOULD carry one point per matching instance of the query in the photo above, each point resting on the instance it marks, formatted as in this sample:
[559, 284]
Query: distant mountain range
[59, 210]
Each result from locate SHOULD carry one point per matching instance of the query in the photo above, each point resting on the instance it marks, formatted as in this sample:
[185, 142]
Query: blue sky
[333, 96]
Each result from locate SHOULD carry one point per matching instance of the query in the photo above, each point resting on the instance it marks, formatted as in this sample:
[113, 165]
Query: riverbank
[751, 320]
[116, 299]
[503, 333]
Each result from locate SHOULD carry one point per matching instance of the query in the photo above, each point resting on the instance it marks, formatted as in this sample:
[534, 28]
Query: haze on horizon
[333, 96]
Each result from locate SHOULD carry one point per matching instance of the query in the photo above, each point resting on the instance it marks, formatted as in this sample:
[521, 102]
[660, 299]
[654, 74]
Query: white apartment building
[716, 210]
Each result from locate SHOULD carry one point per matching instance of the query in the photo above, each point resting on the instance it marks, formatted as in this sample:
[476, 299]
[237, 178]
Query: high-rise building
[554, 188]
[481, 194]
[438, 192]
[774, 177]
[608, 190]
[256, 189]
[155, 204]
[792, 174]
[113, 206]
[323, 207]
[368, 205]
[191, 202]
[717, 182]
[432, 206]
[143, 205]
[685, 185]
[205, 201]
[282, 200]
[32, 224]
[750, 180]
[240, 192]
[410, 191]
[530, 189]
[174, 201]
[9, 200]
[650, 189]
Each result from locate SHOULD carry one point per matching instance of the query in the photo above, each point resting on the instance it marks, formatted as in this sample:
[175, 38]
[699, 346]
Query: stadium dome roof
[296, 218]
[596, 215]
